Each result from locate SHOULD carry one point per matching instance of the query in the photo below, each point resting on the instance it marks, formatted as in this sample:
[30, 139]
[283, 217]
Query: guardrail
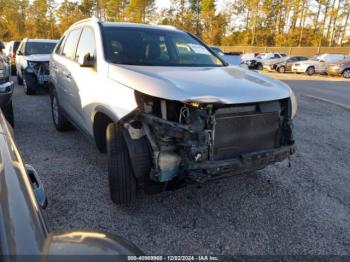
[306, 51]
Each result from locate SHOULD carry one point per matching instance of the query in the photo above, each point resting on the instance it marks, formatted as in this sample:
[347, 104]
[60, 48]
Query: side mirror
[85, 242]
[86, 61]
[19, 52]
[6, 91]
[37, 185]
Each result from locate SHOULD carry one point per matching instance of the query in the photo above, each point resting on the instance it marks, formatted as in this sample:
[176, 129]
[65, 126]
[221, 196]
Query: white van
[317, 64]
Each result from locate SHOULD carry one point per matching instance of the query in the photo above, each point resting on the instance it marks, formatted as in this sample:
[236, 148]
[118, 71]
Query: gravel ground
[299, 210]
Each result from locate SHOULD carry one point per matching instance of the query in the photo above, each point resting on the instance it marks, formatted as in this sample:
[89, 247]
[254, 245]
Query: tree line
[232, 22]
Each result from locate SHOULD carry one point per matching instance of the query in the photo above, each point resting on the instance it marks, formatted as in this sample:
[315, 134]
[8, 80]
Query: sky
[160, 3]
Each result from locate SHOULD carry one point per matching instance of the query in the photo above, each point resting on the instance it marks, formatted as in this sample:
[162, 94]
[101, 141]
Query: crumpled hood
[229, 85]
[38, 58]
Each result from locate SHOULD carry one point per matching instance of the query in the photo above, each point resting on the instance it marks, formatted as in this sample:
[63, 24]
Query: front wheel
[122, 183]
[310, 71]
[59, 121]
[346, 73]
[281, 69]
[260, 66]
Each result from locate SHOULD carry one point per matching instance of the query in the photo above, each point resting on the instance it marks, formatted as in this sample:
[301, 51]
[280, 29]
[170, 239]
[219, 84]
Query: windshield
[154, 47]
[34, 48]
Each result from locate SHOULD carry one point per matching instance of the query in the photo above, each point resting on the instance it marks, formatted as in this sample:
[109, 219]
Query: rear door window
[71, 43]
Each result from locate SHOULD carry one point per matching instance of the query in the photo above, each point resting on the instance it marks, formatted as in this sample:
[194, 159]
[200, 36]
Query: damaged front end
[200, 141]
[37, 73]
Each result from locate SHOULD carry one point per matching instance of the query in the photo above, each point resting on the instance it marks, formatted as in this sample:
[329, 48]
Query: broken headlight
[35, 66]
[294, 104]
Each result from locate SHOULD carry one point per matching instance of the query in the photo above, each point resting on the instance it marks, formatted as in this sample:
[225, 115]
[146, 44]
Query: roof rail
[91, 19]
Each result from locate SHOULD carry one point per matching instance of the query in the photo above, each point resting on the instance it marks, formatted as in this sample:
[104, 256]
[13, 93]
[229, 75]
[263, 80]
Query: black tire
[310, 71]
[19, 80]
[60, 122]
[259, 66]
[281, 69]
[122, 183]
[13, 70]
[346, 73]
[28, 89]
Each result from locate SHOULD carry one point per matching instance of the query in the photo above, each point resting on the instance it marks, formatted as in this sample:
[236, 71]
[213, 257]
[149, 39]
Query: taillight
[13, 56]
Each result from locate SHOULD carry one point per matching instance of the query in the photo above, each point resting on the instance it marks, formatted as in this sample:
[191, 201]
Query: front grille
[236, 134]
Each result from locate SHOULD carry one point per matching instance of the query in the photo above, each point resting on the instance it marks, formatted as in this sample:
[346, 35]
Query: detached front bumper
[242, 164]
[36, 80]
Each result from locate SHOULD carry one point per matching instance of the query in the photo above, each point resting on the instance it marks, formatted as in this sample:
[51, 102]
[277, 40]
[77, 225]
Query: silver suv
[32, 63]
[165, 107]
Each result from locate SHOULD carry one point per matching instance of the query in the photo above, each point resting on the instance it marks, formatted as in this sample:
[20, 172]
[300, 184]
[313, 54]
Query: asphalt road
[304, 209]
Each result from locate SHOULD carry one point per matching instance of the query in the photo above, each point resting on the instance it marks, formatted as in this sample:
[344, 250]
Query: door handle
[68, 75]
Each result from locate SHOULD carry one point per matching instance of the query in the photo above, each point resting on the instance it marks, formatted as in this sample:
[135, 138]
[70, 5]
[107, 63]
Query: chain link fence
[305, 51]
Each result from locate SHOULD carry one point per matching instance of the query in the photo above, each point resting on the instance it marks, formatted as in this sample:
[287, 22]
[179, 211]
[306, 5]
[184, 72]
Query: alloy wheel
[346, 73]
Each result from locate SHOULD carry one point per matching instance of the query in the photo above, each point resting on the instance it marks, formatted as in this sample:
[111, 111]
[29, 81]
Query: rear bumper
[242, 164]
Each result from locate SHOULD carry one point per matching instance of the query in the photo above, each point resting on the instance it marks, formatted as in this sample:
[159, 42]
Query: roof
[42, 40]
[124, 24]
[135, 25]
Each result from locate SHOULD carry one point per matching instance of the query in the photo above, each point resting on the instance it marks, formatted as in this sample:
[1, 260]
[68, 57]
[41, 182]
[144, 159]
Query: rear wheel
[281, 69]
[122, 183]
[310, 71]
[59, 121]
[346, 73]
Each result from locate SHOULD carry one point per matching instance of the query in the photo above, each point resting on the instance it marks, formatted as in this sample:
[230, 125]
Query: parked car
[248, 56]
[317, 64]
[10, 55]
[23, 227]
[283, 65]
[6, 86]
[32, 63]
[341, 68]
[258, 62]
[166, 115]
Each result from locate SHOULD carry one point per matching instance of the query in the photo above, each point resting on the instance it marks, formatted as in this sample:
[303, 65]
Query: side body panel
[22, 227]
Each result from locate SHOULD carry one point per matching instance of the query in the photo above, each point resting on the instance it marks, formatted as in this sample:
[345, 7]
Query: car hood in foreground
[228, 85]
[38, 58]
